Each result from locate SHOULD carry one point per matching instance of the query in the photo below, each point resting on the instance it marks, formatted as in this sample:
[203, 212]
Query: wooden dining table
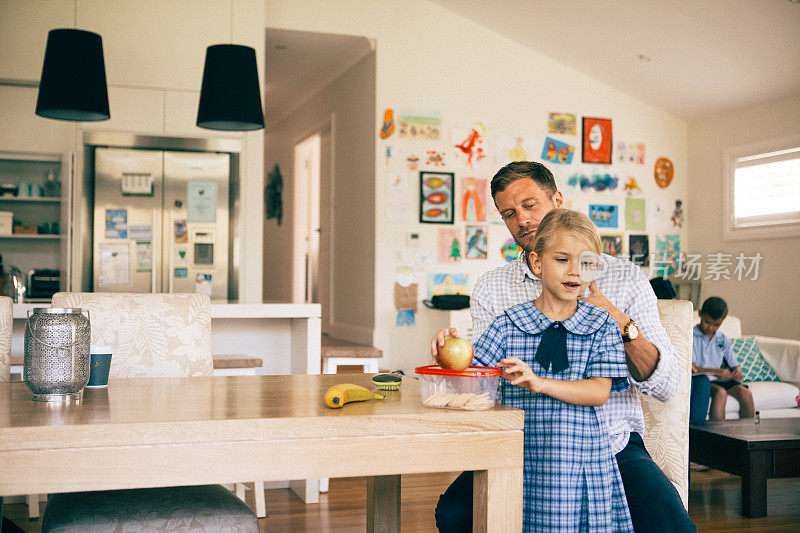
[225, 429]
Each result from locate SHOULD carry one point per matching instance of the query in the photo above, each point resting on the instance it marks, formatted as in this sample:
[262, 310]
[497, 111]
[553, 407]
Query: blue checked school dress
[571, 479]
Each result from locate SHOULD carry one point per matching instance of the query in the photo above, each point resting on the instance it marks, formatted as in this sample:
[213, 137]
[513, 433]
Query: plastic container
[473, 389]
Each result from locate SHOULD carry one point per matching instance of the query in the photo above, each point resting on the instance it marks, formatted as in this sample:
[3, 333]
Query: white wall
[431, 58]
[768, 306]
[348, 209]
[154, 53]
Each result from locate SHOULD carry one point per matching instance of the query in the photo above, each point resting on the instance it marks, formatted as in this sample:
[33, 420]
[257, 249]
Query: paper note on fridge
[201, 200]
[203, 284]
[115, 264]
[144, 256]
[142, 232]
[116, 223]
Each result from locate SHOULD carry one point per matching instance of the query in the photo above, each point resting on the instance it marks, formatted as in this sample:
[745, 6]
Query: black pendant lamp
[73, 83]
[230, 98]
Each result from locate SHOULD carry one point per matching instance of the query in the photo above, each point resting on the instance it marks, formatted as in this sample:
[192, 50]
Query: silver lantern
[57, 353]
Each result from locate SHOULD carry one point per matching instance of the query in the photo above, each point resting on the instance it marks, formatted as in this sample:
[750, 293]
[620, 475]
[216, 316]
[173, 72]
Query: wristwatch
[630, 331]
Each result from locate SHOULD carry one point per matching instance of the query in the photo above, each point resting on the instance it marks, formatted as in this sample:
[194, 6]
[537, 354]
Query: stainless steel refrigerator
[161, 221]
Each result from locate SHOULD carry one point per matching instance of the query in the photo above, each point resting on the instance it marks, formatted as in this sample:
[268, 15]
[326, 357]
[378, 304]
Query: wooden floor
[714, 505]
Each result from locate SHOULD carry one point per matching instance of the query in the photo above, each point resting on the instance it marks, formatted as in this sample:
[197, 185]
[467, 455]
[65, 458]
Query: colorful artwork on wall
[639, 249]
[632, 186]
[436, 197]
[510, 250]
[604, 215]
[412, 161]
[668, 251]
[470, 144]
[562, 124]
[663, 172]
[557, 152]
[632, 153]
[405, 317]
[677, 215]
[597, 140]
[476, 242]
[447, 283]
[514, 148]
[387, 128]
[415, 124]
[473, 200]
[434, 158]
[612, 244]
[597, 182]
[449, 245]
[635, 215]
[405, 296]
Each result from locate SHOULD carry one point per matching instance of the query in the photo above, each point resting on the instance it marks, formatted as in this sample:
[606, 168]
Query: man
[524, 192]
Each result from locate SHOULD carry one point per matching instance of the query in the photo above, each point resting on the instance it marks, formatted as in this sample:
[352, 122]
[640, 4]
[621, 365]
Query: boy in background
[710, 349]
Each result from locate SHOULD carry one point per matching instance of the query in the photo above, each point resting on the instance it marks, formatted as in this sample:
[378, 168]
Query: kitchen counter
[252, 330]
[222, 310]
[255, 330]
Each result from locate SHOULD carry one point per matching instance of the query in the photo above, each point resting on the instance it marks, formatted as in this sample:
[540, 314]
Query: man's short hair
[524, 169]
[714, 308]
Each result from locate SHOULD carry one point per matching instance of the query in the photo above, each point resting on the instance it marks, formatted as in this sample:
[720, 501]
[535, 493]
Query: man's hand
[438, 340]
[596, 297]
[517, 372]
[736, 373]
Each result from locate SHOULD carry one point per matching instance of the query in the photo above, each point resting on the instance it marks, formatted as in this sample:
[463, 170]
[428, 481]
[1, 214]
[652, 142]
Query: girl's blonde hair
[575, 222]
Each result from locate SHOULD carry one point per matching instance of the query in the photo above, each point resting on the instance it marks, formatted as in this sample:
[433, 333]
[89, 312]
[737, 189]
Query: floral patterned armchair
[667, 424]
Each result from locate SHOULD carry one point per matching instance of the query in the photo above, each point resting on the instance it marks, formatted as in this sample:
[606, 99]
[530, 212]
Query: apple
[456, 354]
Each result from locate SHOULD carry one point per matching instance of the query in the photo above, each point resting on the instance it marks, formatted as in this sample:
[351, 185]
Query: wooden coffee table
[756, 452]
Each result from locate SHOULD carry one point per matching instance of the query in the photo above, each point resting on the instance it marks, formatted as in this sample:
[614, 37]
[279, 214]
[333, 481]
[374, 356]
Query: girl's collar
[587, 319]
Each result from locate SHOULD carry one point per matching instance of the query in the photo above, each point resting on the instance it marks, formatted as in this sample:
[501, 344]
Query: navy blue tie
[553, 348]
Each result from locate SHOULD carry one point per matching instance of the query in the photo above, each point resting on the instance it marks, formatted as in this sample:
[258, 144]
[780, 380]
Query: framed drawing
[597, 140]
[612, 244]
[436, 197]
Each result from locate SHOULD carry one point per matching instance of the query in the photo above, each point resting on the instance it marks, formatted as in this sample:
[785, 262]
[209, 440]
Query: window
[763, 190]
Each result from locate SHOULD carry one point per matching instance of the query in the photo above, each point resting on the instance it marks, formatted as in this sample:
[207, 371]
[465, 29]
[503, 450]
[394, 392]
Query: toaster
[43, 283]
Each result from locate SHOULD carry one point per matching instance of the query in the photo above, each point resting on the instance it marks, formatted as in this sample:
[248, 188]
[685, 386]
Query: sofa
[772, 399]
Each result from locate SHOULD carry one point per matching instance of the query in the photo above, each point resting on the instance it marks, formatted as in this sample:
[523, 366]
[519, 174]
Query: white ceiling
[299, 63]
[705, 55]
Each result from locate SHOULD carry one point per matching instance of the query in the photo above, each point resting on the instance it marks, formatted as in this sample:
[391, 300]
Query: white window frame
[757, 230]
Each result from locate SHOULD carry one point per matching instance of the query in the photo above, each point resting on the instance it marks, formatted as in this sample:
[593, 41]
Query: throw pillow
[754, 367]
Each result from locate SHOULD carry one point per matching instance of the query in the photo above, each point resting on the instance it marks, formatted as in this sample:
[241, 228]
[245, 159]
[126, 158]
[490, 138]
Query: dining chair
[666, 434]
[151, 335]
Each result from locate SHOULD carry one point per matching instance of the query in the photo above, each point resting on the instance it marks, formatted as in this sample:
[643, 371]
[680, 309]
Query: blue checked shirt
[626, 287]
[571, 480]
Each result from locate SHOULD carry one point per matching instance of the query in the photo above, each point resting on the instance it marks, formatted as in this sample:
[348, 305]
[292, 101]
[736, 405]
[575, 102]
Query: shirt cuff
[662, 383]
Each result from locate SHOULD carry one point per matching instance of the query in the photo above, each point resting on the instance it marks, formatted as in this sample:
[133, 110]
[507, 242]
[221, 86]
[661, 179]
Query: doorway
[312, 219]
[322, 86]
[306, 209]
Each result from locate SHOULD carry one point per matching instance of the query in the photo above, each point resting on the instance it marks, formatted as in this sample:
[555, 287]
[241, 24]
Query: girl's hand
[517, 372]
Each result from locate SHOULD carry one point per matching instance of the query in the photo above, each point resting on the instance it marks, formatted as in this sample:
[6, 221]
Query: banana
[343, 393]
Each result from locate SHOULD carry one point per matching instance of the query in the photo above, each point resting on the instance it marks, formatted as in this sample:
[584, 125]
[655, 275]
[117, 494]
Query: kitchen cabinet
[35, 188]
